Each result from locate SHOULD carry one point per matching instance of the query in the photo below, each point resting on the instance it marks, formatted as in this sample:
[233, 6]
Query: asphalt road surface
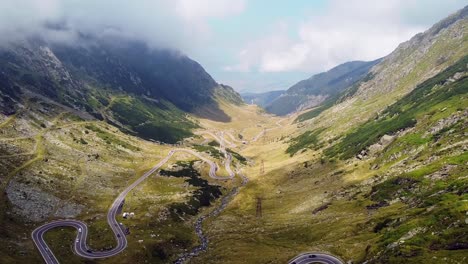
[262, 133]
[217, 138]
[80, 247]
[315, 257]
[233, 138]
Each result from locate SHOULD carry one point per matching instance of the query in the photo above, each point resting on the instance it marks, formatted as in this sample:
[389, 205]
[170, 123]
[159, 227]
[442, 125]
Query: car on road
[312, 256]
[77, 240]
[79, 229]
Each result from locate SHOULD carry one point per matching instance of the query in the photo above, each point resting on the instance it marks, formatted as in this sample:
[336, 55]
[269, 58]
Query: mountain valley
[367, 162]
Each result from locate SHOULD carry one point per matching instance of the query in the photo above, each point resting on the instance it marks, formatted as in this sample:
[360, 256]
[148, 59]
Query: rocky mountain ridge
[314, 91]
[413, 62]
[104, 78]
[262, 99]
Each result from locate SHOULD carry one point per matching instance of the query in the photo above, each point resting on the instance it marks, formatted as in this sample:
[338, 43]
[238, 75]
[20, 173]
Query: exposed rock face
[34, 205]
[312, 101]
[155, 86]
[441, 174]
[419, 59]
[52, 69]
[68, 210]
[447, 122]
[410, 234]
[404, 64]
[384, 141]
[262, 99]
[315, 90]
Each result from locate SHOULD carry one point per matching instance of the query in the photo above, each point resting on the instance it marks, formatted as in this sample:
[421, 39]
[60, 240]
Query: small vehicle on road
[79, 229]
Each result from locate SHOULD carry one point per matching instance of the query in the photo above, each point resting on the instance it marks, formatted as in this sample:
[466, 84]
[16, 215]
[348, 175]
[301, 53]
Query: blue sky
[263, 20]
[257, 19]
[252, 45]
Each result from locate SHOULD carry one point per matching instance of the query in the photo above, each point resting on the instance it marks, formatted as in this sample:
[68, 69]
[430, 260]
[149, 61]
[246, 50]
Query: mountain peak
[105, 77]
[315, 90]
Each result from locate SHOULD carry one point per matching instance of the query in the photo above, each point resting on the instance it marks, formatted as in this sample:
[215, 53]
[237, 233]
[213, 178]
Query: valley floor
[55, 165]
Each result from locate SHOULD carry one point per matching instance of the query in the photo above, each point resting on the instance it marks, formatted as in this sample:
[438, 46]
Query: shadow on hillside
[212, 112]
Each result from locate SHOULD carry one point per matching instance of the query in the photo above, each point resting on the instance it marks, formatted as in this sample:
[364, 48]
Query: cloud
[178, 24]
[200, 9]
[346, 30]
[231, 38]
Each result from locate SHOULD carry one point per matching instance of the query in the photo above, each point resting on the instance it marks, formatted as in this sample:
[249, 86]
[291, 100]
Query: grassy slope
[354, 226]
[396, 81]
[333, 100]
[425, 98]
[149, 119]
[87, 163]
[293, 188]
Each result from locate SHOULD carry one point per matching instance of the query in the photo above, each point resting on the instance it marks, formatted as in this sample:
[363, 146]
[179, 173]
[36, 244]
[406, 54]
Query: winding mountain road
[218, 137]
[315, 257]
[222, 147]
[233, 138]
[82, 249]
[262, 133]
[80, 246]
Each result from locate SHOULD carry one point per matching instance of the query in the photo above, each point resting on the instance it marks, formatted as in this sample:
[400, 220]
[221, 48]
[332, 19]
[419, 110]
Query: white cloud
[200, 9]
[178, 24]
[347, 30]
